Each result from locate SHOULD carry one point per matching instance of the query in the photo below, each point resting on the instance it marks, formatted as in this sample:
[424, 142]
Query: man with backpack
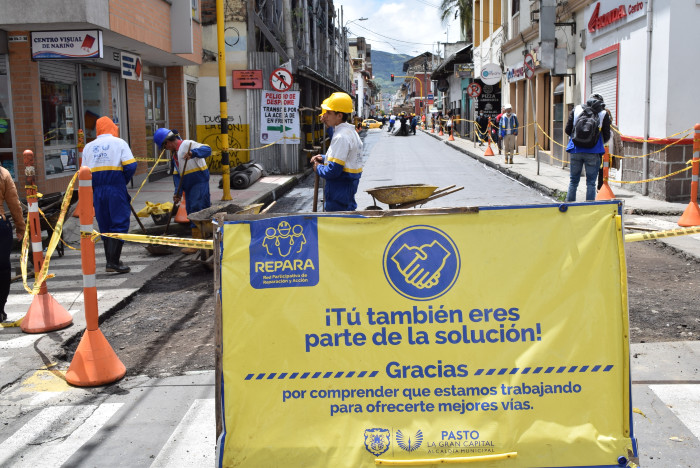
[588, 127]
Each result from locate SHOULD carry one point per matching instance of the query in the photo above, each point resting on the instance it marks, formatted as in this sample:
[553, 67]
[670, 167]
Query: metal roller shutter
[605, 84]
[59, 72]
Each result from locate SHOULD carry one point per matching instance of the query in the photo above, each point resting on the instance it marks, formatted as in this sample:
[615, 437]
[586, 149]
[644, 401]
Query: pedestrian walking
[190, 162]
[449, 123]
[497, 127]
[112, 165]
[588, 128]
[509, 130]
[8, 195]
[392, 121]
[414, 123]
[341, 166]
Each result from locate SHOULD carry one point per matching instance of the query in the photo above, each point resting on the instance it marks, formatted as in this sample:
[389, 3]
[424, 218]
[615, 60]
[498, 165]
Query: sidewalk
[552, 180]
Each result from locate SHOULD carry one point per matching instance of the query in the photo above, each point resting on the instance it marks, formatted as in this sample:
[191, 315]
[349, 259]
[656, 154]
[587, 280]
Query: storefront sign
[606, 13]
[464, 70]
[67, 44]
[131, 67]
[515, 73]
[408, 352]
[280, 117]
[490, 101]
[491, 73]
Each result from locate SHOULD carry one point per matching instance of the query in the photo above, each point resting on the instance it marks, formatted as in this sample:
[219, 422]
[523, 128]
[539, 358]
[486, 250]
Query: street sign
[281, 79]
[474, 90]
[431, 98]
[247, 79]
[529, 63]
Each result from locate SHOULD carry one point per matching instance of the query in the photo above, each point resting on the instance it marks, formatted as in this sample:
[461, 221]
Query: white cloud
[409, 27]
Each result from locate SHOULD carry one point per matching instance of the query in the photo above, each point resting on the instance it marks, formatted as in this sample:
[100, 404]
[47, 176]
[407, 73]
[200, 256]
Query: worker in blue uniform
[112, 165]
[341, 166]
[195, 178]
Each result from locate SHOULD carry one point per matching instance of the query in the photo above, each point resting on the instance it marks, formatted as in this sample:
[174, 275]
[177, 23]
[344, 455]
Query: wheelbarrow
[203, 220]
[408, 196]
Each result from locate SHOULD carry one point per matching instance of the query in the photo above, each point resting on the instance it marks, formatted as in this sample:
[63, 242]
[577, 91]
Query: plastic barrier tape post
[409, 349]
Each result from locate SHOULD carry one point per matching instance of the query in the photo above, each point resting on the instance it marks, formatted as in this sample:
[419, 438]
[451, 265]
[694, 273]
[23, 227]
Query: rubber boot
[5, 276]
[106, 243]
[116, 266]
[196, 234]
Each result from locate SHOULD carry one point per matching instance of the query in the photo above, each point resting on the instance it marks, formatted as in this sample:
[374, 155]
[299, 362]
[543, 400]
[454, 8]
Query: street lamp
[353, 21]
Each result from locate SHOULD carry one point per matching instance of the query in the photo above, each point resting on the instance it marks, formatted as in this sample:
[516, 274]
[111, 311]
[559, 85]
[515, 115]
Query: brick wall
[147, 21]
[671, 159]
[26, 108]
[176, 99]
[137, 119]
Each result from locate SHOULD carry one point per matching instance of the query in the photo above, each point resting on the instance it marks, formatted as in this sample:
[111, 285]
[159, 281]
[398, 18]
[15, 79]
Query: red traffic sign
[474, 90]
[247, 79]
[281, 79]
[529, 64]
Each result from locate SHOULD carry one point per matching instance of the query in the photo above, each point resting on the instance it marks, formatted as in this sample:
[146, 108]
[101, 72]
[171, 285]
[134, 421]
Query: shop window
[58, 112]
[6, 141]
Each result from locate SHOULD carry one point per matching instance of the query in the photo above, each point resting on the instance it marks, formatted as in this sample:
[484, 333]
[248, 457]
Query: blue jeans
[592, 163]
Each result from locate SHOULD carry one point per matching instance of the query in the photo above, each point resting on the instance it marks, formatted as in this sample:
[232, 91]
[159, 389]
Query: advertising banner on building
[66, 44]
[279, 115]
[436, 337]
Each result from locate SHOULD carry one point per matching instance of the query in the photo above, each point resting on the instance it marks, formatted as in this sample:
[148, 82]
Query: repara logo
[598, 21]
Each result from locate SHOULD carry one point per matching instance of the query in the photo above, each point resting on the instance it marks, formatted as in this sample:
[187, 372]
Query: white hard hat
[507, 106]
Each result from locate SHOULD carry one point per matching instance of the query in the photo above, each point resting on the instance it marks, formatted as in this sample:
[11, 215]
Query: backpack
[586, 128]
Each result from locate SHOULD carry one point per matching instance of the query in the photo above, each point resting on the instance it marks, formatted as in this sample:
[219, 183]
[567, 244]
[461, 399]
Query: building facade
[64, 64]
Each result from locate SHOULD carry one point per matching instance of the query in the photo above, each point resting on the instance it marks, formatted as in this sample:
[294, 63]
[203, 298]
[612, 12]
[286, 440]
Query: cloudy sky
[398, 26]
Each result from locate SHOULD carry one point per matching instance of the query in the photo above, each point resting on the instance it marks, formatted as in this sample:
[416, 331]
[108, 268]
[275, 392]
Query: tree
[462, 9]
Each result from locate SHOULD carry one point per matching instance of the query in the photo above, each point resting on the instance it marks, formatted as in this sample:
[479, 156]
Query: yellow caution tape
[159, 240]
[689, 163]
[43, 274]
[642, 236]
[149, 175]
[52, 229]
[650, 140]
[16, 323]
[155, 209]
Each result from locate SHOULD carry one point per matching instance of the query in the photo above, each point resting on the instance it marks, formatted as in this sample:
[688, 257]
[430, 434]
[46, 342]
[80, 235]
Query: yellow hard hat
[338, 102]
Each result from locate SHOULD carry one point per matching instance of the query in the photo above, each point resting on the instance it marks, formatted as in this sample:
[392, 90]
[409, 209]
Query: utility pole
[223, 100]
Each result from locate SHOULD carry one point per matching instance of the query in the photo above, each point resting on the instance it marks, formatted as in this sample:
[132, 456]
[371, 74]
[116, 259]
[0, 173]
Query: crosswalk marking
[54, 434]
[683, 401]
[192, 444]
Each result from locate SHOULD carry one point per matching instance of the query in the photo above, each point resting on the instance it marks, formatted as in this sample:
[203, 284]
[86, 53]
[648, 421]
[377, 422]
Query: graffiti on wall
[209, 134]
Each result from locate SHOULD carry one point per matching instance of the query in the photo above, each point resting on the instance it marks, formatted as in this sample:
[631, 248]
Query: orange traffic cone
[489, 151]
[451, 137]
[94, 362]
[181, 216]
[691, 215]
[45, 313]
[605, 192]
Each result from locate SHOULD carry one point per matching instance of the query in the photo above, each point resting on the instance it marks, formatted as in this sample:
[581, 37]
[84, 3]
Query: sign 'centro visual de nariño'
[614, 12]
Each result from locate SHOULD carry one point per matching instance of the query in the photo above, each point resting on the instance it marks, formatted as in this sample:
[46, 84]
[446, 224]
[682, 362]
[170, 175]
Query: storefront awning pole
[223, 142]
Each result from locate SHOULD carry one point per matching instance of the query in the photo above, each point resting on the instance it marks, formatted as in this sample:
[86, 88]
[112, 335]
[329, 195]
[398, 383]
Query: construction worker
[190, 156]
[341, 167]
[112, 165]
[414, 123]
[8, 194]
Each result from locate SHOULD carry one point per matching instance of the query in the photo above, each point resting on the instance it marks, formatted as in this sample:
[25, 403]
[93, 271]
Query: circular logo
[490, 73]
[421, 262]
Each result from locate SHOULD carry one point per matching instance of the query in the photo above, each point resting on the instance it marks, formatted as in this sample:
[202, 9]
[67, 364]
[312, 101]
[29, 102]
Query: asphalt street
[169, 421]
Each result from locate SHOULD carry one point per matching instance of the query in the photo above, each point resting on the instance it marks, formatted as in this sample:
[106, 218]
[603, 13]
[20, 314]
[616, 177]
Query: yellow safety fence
[43, 275]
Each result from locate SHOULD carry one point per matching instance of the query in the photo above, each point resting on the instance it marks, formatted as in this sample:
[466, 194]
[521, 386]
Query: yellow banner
[351, 341]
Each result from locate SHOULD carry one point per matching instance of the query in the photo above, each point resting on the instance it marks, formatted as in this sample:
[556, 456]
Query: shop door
[101, 97]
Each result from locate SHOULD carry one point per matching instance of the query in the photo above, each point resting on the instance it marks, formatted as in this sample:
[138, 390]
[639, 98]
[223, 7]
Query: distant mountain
[383, 65]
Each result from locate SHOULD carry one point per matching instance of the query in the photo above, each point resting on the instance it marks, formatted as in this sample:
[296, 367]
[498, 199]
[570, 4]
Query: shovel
[153, 249]
[179, 186]
[313, 209]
